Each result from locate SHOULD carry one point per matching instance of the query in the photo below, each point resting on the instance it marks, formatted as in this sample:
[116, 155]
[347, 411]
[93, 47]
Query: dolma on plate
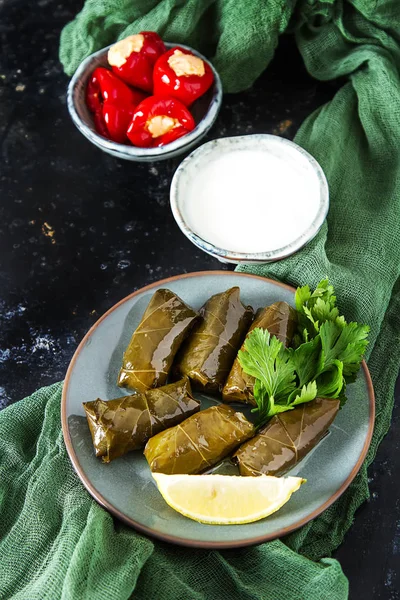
[280, 319]
[208, 354]
[198, 442]
[286, 438]
[124, 424]
[151, 351]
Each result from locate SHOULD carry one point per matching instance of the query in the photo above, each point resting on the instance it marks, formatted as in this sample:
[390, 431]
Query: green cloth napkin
[56, 542]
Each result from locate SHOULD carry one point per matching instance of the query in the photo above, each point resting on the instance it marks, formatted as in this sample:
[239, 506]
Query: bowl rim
[226, 255]
[128, 150]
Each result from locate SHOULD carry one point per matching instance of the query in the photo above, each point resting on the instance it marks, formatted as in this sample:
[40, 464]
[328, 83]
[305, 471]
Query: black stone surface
[79, 230]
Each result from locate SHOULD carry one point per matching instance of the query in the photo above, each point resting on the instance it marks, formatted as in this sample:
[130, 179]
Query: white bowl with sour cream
[250, 199]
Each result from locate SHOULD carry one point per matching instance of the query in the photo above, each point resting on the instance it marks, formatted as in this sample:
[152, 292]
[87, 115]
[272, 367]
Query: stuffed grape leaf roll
[208, 354]
[124, 424]
[286, 438]
[280, 319]
[199, 442]
[151, 351]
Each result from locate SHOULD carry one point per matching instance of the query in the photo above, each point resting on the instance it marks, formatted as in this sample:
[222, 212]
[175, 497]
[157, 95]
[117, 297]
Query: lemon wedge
[226, 499]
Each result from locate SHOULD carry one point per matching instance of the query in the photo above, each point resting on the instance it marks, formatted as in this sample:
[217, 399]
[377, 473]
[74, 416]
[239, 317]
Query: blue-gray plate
[126, 488]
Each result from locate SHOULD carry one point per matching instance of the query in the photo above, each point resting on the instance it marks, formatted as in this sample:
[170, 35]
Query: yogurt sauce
[256, 199]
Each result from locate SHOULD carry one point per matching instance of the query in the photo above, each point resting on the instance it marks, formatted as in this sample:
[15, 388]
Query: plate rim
[176, 539]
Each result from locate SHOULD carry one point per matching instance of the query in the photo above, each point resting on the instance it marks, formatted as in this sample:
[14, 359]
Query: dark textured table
[79, 230]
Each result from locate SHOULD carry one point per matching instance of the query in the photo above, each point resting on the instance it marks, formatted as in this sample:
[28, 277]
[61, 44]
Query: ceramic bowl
[210, 151]
[204, 111]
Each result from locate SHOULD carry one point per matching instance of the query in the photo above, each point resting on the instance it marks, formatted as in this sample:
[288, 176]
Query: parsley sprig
[327, 356]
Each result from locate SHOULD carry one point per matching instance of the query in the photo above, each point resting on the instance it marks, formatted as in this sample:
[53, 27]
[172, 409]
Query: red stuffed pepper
[159, 121]
[112, 102]
[133, 58]
[117, 119]
[104, 86]
[181, 74]
[100, 124]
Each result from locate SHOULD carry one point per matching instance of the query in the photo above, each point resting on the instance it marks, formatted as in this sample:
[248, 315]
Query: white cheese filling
[120, 52]
[184, 65]
[160, 125]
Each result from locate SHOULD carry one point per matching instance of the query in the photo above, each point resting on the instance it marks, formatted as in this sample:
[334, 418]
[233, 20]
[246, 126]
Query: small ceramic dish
[204, 111]
[188, 177]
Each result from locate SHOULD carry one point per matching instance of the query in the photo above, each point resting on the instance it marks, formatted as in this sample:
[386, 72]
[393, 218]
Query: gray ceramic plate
[125, 487]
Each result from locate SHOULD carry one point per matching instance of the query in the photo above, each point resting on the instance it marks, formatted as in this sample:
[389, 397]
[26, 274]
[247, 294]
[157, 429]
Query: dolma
[208, 354]
[124, 424]
[280, 319]
[199, 442]
[151, 351]
[286, 438]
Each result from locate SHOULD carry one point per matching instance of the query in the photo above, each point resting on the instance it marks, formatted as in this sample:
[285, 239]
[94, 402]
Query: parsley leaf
[330, 381]
[263, 403]
[307, 360]
[265, 358]
[332, 357]
[307, 393]
[347, 344]
[266, 407]
[316, 308]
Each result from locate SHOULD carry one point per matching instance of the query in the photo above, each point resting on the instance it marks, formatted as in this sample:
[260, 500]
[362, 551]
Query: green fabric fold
[240, 35]
[355, 137]
[56, 542]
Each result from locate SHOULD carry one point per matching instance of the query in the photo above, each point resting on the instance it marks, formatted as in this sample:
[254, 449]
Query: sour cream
[252, 195]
